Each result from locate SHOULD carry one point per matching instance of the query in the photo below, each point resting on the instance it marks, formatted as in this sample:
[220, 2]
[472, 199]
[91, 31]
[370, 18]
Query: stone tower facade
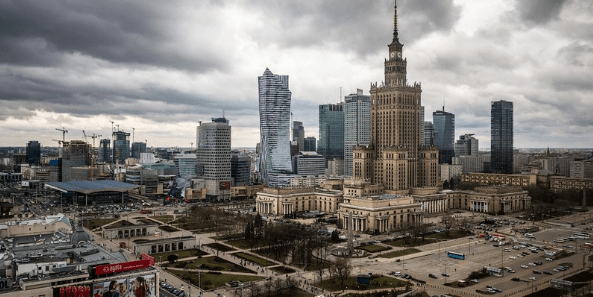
[395, 157]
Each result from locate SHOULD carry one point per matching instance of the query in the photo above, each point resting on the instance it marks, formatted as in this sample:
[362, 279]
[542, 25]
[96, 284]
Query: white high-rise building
[274, 120]
[213, 150]
[357, 125]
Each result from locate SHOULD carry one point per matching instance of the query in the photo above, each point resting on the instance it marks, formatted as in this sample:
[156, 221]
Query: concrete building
[357, 125]
[335, 167]
[288, 200]
[449, 171]
[472, 163]
[213, 147]
[581, 169]
[105, 151]
[466, 145]
[274, 119]
[395, 157]
[34, 152]
[444, 127]
[310, 144]
[309, 163]
[501, 143]
[429, 134]
[147, 158]
[331, 131]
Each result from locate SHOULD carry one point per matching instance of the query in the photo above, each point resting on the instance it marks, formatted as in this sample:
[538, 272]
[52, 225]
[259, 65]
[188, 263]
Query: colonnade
[435, 206]
[264, 207]
[479, 206]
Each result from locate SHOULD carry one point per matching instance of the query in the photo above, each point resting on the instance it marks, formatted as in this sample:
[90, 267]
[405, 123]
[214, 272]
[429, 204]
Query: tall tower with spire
[395, 157]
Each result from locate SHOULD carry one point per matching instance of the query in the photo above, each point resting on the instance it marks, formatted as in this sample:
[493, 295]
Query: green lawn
[220, 247]
[400, 253]
[210, 263]
[377, 282]
[282, 269]
[96, 223]
[163, 219]
[212, 281]
[373, 248]
[410, 243]
[255, 259]
[182, 254]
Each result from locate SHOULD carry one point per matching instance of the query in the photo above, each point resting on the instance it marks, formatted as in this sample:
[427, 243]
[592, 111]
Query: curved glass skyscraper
[274, 121]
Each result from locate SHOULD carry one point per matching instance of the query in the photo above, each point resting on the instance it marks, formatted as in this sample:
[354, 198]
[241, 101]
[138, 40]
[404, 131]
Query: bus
[588, 245]
[455, 255]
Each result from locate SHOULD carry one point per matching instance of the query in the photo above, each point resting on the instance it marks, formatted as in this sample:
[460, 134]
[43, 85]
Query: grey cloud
[36, 32]
[539, 12]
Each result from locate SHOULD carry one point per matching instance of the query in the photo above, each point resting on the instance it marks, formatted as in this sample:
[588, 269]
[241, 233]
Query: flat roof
[88, 187]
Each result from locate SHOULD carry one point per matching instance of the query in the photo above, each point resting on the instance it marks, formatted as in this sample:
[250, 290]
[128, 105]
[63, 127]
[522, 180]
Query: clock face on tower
[399, 55]
[392, 54]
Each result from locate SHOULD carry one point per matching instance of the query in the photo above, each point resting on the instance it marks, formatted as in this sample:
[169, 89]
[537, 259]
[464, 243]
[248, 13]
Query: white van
[529, 235]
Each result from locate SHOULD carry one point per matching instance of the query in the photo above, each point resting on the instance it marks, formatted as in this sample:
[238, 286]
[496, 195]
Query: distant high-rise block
[331, 131]
[213, 150]
[357, 125]
[466, 145]
[310, 144]
[240, 169]
[274, 119]
[121, 146]
[309, 163]
[137, 149]
[298, 134]
[34, 152]
[428, 133]
[105, 150]
[444, 127]
[501, 137]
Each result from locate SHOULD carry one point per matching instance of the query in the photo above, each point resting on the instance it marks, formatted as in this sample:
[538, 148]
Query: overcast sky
[162, 66]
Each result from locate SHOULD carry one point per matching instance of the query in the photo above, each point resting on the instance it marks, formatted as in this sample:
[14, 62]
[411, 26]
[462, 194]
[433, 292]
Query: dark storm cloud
[130, 32]
[539, 12]
[363, 27]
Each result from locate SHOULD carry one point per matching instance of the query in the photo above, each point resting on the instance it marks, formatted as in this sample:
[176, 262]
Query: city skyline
[160, 69]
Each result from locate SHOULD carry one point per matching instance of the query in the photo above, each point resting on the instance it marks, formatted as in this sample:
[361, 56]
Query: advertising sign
[121, 267]
[114, 288]
[225, 185]
[142, 286]
[73, 291]
[5, 283]
[149, 258]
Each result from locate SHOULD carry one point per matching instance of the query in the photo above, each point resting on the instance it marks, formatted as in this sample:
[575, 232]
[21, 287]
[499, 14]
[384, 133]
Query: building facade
[137, 149]
[581, 169]
[501, 143]
[310, 144]
[331, 131]
[274, 120]
[444, 127]
[186, 164]
[395, 157]
[298, 134]
[294, 199]
[429, 133]
[466, 145]
[213, 157]
[357, 125]
[105, 151]
[309, 163]
[240, 169]
[121, 146]
[33, 152]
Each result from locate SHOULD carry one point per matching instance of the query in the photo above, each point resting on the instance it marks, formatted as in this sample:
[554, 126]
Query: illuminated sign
[121, 267]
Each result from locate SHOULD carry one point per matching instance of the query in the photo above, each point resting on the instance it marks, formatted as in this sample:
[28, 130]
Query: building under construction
[121, 146]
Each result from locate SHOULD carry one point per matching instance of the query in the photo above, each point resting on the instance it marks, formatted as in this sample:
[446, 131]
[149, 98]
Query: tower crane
[64, 131]
[83, 133]
[94, 136]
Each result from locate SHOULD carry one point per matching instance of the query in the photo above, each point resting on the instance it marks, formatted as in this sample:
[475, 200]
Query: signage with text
[121, 267]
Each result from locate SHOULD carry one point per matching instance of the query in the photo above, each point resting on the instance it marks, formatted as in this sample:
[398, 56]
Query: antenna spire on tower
[395, 21]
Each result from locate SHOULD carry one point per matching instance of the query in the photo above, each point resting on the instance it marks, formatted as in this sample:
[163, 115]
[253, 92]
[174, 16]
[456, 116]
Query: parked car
[432, 275]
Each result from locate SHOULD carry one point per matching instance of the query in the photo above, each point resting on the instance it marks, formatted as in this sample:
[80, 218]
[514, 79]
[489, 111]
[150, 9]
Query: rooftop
[88, 187]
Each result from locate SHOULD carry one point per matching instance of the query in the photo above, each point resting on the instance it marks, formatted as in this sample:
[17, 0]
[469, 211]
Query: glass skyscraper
[357, 125]
[274, 120]
[34, 152]
[501, 137]
[137, 148]
[121, 146]
[444, 128]
[331, 131]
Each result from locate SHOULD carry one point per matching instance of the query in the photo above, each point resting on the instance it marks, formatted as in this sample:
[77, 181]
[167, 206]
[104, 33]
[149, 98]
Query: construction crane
[133, 132]
[83, 133]
[94, 136]
[58, 141]
[64, 131]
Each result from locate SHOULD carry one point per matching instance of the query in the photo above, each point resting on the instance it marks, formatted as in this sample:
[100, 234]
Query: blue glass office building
[444, 128]
[331, 131]
[501, 137]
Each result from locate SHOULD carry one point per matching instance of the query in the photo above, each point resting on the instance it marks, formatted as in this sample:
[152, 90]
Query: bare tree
[342, 268]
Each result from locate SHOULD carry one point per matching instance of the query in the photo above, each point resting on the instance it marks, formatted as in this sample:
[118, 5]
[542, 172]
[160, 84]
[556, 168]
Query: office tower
[309, 163]
[33, 152]
[357, 125]
[310, 144]
[444, 128]
[121, 146]
[428, 133]
[331, 131]
[466, 145]
[501, 137]
[298, 134]
[186, 164]
[274, 120]
[137, 149]
[395, 157]
[105, 150]
[213, 150]
[75, 153]
[422, 127]
[240, 169]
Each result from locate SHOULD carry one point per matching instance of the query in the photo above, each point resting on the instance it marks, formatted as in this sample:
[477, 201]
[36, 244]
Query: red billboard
[149, 258]
[121, 267]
